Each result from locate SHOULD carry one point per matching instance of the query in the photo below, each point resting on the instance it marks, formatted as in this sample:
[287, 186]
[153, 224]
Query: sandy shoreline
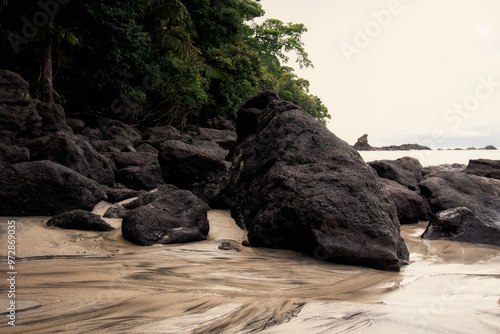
[80, 282]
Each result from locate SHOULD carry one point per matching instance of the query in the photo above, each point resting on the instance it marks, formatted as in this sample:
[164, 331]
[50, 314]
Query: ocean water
[433, 157]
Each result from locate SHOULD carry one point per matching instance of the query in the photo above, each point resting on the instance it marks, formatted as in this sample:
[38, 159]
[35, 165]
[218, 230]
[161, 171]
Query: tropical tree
[296, 90]
[43, 31]
[274, 39]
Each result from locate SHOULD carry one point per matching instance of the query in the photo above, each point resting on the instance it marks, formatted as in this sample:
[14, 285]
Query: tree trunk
[47, 87]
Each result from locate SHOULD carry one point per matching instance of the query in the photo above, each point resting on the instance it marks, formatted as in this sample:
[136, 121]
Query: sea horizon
[434, 157]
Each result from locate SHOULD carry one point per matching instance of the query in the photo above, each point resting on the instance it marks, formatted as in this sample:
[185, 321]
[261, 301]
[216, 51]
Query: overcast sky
[403, 71]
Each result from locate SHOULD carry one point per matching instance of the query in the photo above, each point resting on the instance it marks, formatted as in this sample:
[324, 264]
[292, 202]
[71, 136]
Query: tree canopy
[153, 61]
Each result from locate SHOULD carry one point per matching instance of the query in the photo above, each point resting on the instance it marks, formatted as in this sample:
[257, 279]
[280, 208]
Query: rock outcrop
[44, 188]
[362, 143]
[449, 190]
[484, 167]
[461, 224]
[23, 118]
[164, 216]
[410, 206]
[406, 171]
[198, 165]
[13, 154]
[297, 186]
[74, 152]
[110, 129]
[79, 220]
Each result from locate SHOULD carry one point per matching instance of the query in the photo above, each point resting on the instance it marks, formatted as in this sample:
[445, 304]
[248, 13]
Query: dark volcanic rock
[151, 196]
[220, 123]
[44, 188]
[113, 145]
[229, 246]
[18, 122]
[449, 190]
[405, 171]
[146, 148]
[297, 186]
[115, 211]
[74, 152]
[165, 132]
[157, 135]
[176, 217]
[443, 168]
[225, 138]
[13, 88]
[53, 117]
[113, 129]
[13, 154]
[461, 224]
[484, 167]
[199, 166]
[76, 125]
[79, 220]
[120, 194]
[410, 206]
[125, 175]
[22, 118]
[148, 178]
[139, 159]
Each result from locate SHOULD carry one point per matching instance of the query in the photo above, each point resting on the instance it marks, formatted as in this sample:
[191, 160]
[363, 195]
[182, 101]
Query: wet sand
[80, 282]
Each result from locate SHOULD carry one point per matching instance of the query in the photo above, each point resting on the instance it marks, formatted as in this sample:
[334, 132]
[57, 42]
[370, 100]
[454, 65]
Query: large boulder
[177, 216]
[484, 167]
[198, 165]
[405, 171]
[44, 188]
[157, 135]
[461, 224]
[74, 152]
[23, 118]
[411, 206]
[139, 159]
[112, 129]
[79, 220]
[449, 190]
[225, 138]
[13, 154]
[297, 186]
[148, 178]
[13, 88]
[18, 122]
[53, 117]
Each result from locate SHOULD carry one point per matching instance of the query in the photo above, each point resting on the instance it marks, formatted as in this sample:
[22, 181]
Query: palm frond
[169, 10]
[177, 40]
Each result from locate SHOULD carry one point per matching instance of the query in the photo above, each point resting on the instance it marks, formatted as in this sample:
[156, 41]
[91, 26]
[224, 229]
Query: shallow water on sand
[81, 282]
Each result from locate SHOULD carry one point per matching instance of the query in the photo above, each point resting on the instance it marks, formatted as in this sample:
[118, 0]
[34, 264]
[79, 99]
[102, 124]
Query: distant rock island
[362, 145]
[489, 147]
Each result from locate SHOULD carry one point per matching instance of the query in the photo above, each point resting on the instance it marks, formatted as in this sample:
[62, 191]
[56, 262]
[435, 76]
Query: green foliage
[273, 38]
[160, 61]
[242, 76]
[296, 90]
[218, 22]
[178, 91]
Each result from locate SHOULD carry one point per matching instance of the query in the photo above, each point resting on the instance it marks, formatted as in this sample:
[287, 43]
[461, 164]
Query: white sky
[402, 86]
